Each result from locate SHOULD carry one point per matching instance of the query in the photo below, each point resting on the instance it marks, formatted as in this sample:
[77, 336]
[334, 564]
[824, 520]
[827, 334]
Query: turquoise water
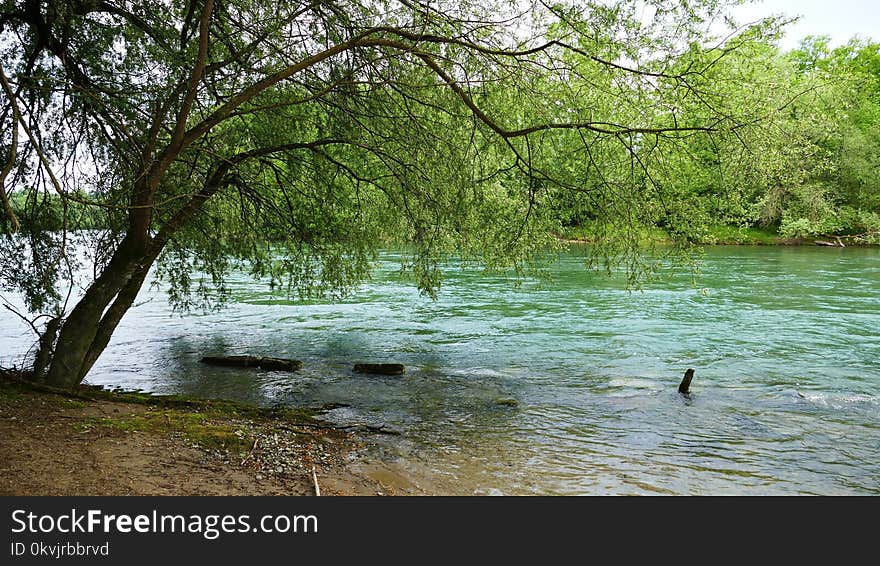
[786, 398]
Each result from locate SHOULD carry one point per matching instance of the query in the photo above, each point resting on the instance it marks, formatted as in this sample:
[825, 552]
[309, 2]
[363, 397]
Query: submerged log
[232, 361]
[684, 386]
[280, 364]
[271, 364]
[380, 369]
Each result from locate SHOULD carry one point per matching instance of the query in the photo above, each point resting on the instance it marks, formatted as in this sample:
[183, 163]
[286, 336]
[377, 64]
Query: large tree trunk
[86, 331]
[47, 346]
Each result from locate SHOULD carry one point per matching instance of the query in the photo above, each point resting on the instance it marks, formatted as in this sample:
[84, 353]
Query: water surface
[786, 398]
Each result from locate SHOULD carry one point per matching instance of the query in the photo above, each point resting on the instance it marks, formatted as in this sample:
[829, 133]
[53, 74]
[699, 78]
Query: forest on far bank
[807, 167]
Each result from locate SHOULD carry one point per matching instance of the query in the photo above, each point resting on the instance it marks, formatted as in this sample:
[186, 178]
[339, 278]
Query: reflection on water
[786, 397]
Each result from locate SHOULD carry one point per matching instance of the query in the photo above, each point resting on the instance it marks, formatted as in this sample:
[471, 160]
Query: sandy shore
[100, 443]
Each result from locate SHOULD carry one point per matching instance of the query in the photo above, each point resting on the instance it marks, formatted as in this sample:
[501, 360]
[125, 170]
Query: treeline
[42, 211]
[804, 162]
[835, 145]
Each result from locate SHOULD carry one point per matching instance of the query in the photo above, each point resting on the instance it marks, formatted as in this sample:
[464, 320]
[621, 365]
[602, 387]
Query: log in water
[270, 364]
[379, 369]
[685, 385]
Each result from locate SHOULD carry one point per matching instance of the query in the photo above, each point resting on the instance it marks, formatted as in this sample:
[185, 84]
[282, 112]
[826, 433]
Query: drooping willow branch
[4, 197]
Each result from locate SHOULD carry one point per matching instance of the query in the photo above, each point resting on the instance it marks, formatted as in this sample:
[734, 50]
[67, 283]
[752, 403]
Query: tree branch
[195, 77]
[136, 20]
[7, 208]
[43, 160]
[219, 179]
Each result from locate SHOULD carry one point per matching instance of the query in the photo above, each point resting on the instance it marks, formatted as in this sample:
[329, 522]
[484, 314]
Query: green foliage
[834, 147]
[803, 160]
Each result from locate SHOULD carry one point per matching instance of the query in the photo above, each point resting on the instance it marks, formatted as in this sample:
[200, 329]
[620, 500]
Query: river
[567, 386]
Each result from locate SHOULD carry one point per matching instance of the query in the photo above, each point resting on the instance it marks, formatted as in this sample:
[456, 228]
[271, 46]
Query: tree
[812, 169]
[294, 138]
[843, 197]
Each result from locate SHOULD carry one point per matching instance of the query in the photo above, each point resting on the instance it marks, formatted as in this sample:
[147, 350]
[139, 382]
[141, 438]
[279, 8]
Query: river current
[561, 387]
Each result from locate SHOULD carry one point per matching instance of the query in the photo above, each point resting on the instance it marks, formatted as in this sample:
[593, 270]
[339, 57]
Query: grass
[196, 427]
[12, 392]
[209, 423]
[211, 408]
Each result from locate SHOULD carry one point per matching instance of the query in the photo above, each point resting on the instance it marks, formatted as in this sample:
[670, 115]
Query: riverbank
[96, 442]
[723, 235]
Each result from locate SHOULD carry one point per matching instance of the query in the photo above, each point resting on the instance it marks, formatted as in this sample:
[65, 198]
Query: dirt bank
[94, 442]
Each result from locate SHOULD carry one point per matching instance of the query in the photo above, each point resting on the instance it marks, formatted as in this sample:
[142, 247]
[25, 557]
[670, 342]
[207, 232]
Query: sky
[839, 19]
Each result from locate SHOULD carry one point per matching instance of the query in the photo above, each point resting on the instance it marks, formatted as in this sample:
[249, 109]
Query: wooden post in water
[684, 386]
